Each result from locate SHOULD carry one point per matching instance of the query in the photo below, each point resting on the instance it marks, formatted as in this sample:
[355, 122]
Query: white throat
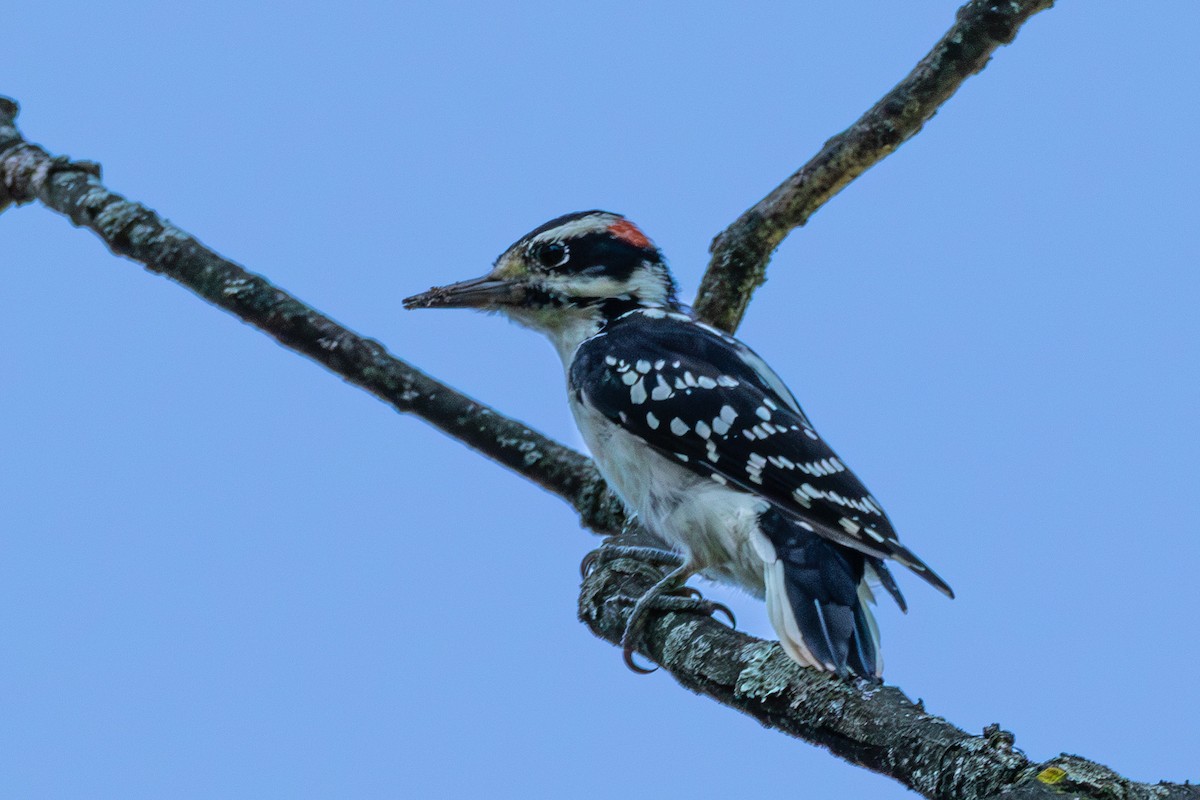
[565, 329]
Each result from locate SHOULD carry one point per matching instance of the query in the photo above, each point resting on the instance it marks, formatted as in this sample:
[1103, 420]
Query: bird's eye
[552, 254]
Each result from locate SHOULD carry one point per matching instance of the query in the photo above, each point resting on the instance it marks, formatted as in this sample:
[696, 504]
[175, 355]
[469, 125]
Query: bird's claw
[588, 564]
[669, 594]
[713, 607]
[628, 653]
[684, 598]
[607, 552]
[693, 602]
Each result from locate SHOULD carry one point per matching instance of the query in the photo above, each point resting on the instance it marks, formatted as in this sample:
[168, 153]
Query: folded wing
[702, 398]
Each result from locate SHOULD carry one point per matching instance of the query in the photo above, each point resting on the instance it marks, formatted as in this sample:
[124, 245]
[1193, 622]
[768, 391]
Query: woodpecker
[700, 439]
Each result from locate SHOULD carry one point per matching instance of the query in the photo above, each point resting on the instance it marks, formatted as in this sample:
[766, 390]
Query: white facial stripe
[649, 283]
[592, 223]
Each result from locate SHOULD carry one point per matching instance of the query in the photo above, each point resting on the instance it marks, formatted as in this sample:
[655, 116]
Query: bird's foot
[608, 552]
[690, 600]
[669, 594]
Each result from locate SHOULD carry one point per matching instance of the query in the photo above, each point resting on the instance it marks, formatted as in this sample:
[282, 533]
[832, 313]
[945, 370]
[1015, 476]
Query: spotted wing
[705, 400]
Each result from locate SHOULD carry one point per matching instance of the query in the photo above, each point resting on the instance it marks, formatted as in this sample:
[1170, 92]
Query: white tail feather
[779, 610]
[866, 599]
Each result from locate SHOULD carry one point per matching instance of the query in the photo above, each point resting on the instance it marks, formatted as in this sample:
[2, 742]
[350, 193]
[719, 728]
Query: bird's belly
[694, 514]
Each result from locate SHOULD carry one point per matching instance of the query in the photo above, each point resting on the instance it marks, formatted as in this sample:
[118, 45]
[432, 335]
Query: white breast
[706, 520]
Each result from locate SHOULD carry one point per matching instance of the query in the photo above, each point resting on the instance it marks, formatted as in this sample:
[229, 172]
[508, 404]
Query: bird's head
[579, 267]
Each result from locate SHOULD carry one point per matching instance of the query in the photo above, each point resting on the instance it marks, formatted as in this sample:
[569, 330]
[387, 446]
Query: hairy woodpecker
[700, 438]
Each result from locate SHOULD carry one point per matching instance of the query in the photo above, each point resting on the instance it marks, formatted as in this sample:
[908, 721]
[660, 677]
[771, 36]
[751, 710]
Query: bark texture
[874, 726]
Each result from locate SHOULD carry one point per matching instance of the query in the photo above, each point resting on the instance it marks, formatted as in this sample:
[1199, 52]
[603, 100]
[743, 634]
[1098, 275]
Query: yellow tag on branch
[1051, 775]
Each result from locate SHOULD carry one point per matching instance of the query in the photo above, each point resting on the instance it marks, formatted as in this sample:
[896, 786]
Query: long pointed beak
[485, 292]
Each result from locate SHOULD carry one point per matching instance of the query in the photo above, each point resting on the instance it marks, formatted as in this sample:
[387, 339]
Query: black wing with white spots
[702, 398]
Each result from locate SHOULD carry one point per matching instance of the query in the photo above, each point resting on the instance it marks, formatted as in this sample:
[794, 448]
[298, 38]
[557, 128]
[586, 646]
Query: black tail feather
[887, 581]
[822, 581]
[864, 654]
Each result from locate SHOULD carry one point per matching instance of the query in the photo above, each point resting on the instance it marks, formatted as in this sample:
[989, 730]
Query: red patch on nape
[627, 232]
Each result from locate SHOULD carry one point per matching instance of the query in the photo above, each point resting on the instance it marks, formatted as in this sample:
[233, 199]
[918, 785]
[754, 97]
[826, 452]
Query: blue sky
[227, 574]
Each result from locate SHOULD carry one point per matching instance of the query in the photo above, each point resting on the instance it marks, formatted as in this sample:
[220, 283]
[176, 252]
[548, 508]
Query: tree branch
[877, 727]
[874, 726]
[73, 188]
[741, 252]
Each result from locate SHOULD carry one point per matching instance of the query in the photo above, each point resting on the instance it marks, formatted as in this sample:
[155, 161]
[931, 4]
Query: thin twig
[741, 252]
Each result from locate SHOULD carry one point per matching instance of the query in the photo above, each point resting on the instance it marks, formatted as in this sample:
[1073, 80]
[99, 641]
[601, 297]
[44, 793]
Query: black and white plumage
[700, 438]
